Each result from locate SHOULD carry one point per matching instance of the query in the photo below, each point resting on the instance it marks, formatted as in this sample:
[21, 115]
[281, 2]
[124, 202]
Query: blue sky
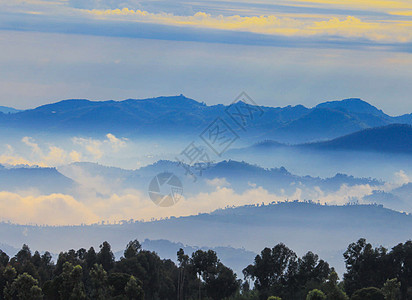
[281, 52]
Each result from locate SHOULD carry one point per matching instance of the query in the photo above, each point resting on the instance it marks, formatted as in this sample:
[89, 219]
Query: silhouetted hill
[8, 110]
[395, 138]
[180, 116]
[240, 176]
[45, 180]
[322, 123]
[353, 105]
[326, 230]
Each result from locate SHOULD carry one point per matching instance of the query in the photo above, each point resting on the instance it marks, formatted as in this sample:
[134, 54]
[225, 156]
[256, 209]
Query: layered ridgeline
[178, 116]
[240, 177]
[394, 138]
[326, 230]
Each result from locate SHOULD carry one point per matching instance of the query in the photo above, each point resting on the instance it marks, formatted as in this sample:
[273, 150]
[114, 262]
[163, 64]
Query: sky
[280, 52]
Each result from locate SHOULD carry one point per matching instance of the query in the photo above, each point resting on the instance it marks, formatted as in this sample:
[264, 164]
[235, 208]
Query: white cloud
[115, 142]
[218, 182]
[97, 148]
[92, 146]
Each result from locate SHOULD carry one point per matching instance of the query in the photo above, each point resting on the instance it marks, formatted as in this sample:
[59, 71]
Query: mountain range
[182, 116]
[326, 230]
[8, 110]
[394, 138]
[239, 176]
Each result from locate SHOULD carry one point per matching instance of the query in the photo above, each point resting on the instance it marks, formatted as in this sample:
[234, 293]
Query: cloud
[328, 26]
[60, 209]
[31, 143]
[376, 21]
[49, 155]
[92, 146]
[55, 209]
[115, 142]
[217, 182]
[95, 146]
[101, 199]
[54, 156]
[363, 4]
[402, 13]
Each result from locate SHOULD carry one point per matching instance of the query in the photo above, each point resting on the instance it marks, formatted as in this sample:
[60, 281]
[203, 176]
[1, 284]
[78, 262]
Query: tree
[132, 248]
[222, 284]
[25, 287]
[134, 290]
[117, 283]
[205, 265]
[78, 291]
[370, 293]
[391, 289]
[400, 259]
[90, 257]
[311, 273]
[98, 278]
[105, 257]
[366, 266]
[4, 259]
[316, 295]
[332, 290]
[9, 274]
[71, 283]
[24, 255]
[274, 298]
[183, 260]
[272, 270]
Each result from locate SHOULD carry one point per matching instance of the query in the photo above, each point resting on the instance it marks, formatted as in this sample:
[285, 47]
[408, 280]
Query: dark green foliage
[105, 257]
[25, 287]
[332, 289]
[366, 266]
[316, 295]
[132, 249]
[4, 259]
[133, 289]
[370, 293]
[372, 267]
[279, 271]
[391, 289]
[98, 277]
[273, 269]
[372, 273]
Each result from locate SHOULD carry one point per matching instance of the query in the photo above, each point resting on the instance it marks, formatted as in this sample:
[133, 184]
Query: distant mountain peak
[353, 105]
[8, 110]
[180, 98]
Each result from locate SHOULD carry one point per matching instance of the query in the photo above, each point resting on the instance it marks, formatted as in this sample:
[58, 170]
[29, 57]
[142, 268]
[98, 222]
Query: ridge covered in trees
[276, 273]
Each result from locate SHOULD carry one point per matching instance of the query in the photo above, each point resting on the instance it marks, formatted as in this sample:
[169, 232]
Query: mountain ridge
[168, 116]
[393, 138]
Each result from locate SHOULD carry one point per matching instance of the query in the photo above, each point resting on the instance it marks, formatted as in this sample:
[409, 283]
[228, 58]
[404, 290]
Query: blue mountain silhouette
[179, 115]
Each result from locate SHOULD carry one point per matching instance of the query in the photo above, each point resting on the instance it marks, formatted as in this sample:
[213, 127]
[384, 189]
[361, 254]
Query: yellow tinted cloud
[401, 13]
[349, 27]
[364, 4]
[55, 209]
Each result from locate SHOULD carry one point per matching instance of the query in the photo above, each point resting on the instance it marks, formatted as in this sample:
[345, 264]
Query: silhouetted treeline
[276, 273]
